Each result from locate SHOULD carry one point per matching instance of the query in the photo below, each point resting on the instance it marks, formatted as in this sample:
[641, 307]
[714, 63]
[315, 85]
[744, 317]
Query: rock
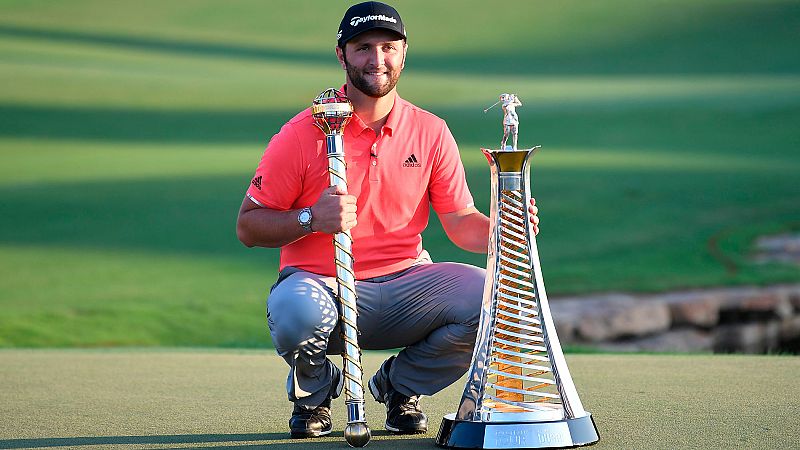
[754, 305]
[641, 319]
[790, 329]
[747, 338]
[611, 316]
[736, 319]
[570, 313]
[697, 308]
[565, 330]
[774, 301]
[680, 340]
[793, 296]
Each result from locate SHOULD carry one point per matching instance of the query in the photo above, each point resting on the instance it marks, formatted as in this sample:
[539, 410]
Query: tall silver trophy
[331, 111]
[519, 392]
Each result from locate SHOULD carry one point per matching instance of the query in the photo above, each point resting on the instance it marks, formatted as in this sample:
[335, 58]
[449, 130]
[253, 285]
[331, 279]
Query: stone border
[743, 319]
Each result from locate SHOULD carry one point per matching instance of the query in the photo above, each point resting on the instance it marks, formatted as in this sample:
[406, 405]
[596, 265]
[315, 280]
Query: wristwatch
[305, 218]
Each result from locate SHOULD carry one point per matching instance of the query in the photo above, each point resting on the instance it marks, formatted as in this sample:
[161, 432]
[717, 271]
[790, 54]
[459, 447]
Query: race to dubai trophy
[519, 393]
[331, 111]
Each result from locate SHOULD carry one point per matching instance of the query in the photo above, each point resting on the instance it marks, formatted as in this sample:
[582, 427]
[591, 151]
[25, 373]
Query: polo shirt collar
[357, 126]
[393, 120]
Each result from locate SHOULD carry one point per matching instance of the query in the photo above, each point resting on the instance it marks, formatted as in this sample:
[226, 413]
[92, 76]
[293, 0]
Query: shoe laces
[409, 404]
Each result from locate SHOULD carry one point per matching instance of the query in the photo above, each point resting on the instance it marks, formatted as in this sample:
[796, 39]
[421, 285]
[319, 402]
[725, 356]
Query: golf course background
[129, 132]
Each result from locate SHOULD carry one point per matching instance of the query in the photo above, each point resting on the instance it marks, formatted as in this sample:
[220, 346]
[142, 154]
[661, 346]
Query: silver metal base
[501, 435]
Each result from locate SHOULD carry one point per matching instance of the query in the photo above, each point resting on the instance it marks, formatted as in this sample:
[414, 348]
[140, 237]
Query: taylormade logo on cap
[358, 20]
[368, 16]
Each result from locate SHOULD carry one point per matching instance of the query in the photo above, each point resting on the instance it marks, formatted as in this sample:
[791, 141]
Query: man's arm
[265, 227]
[257, 226]
[469, 228]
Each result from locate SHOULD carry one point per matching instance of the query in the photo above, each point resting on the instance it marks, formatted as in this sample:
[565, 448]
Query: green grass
[122, 399]
[129, 132]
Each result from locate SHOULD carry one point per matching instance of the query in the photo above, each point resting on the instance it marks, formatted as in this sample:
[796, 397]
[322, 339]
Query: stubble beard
[356, 77]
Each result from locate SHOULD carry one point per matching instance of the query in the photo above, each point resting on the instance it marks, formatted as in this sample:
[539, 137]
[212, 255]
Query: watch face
[304, 217]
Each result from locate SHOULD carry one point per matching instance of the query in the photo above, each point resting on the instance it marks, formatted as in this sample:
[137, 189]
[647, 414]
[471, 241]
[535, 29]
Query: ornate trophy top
[331, 110]
[509, 103]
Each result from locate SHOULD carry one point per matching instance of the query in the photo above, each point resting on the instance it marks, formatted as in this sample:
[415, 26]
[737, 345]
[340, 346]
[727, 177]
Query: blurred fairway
[163, 398]
[129, 132]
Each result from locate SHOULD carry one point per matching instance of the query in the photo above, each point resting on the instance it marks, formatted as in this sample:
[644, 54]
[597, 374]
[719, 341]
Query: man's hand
[334, 211]
[534, 216]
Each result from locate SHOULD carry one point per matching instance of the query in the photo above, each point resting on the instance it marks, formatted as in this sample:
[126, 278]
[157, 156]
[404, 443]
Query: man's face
[373, 61]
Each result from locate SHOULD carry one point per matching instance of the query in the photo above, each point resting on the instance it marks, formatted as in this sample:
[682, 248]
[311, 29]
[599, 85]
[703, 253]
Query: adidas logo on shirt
[257, 182]
[412, 162]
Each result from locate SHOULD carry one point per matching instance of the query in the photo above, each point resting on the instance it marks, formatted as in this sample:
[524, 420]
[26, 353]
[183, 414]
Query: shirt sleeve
[277, 182]
[448, 190]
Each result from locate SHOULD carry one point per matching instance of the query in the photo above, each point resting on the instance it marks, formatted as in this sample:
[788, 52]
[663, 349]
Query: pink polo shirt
[413, 164]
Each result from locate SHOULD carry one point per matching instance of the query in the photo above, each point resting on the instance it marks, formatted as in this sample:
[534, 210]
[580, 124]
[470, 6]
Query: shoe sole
[398, 431]
[312, 434]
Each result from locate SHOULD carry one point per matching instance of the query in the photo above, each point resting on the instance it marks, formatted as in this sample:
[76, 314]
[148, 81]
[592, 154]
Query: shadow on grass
[181, 215]
[241, 440]
[196, 215]
[730, 36]
[142, 125]
[140, 43]
[639, 127]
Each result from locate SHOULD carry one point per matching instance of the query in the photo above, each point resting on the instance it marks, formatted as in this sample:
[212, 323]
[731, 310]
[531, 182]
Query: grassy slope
[165, 398]
[128, 133]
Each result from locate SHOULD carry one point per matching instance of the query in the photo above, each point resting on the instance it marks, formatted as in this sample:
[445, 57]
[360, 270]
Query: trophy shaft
[335, 145]
[331, 111]
[522, 366]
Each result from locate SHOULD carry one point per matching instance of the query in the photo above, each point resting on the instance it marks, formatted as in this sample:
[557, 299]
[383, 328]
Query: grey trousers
[430, 310]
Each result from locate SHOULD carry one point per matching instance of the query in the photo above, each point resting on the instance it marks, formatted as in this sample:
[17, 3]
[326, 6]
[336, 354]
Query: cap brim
[377, 27]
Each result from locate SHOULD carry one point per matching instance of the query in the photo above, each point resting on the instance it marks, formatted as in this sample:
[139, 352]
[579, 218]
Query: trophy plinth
[455, 433]
[519, 392]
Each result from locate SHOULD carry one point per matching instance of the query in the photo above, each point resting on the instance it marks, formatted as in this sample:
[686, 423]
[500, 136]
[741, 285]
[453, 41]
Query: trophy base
[497, 435]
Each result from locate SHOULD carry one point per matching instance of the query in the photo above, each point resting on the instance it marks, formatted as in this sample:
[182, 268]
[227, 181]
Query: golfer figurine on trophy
[510, 118]
[519, 392]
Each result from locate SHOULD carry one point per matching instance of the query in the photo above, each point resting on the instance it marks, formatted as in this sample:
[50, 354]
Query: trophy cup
[519, 393]
[331, 111]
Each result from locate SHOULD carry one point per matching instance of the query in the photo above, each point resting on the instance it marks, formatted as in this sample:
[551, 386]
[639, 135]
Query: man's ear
[405, 53]
[340, 57]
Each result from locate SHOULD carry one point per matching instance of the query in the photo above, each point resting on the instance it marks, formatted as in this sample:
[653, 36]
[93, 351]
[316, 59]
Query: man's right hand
[334, 211]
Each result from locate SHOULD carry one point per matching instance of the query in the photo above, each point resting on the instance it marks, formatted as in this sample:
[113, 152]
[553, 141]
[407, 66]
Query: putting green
[225, 398]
